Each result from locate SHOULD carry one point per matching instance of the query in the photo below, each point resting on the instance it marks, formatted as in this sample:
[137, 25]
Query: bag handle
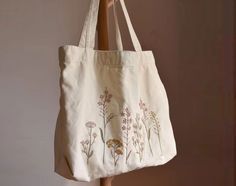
[132, 33]
[117, 30]
[87, 39]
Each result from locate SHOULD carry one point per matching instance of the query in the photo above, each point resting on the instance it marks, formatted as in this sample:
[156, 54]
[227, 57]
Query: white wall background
[195, 60]
[30, 33]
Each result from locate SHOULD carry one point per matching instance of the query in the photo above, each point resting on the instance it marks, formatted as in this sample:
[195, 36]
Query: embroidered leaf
[112, 154]
[109, 117]
[91, 153]
[149, 133]
[101, 132]
[128, 155]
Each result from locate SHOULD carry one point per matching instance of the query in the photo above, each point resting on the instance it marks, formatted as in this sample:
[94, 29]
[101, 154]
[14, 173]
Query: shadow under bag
[114, 113]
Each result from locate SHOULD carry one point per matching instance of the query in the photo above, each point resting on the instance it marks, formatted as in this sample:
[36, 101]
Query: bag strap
[132, 33]
[117, 28]
[84, 39]
[87, 39]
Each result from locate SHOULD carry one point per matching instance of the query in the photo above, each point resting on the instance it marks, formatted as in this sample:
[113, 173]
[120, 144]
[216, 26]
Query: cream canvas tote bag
[114, 113]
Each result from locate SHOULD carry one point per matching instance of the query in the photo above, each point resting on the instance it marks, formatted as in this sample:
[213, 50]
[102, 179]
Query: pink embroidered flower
[127, 112]
[123, 127]
[142, 105]
[90, 124]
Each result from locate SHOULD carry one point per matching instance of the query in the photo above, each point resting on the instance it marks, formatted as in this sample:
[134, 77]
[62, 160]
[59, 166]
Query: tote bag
[114, 113]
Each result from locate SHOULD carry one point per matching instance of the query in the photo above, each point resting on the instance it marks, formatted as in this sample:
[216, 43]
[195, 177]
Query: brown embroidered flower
[109, 143]
[119, 151]
[116, 148]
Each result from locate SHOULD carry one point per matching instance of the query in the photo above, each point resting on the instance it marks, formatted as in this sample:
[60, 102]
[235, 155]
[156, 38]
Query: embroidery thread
[137, 138]
[105, 99]
[144, 120]
[126, 127]
[116, 148]
[156, 127]
[88, 143]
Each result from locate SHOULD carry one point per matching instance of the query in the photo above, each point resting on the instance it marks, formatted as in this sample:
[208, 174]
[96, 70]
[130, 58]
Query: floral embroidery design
[88, 143]
[116, 148]
[106, 116]
[156, 127]
[137, 138]
[144, 120]
[126, 127]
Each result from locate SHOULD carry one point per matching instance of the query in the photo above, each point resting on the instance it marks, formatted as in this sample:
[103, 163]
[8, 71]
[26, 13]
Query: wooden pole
[102, 26]
[106, 181]
[103, 44]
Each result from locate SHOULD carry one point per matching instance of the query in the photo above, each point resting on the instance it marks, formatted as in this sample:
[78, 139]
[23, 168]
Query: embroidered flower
[146, 123]
[126, 121]
[116, 148]
[107, 116]
[88, 143]
[156, 126]
[90, 124]
[137, 138]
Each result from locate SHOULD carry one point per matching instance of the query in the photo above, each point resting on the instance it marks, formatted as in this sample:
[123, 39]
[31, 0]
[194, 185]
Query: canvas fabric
[114, 111]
